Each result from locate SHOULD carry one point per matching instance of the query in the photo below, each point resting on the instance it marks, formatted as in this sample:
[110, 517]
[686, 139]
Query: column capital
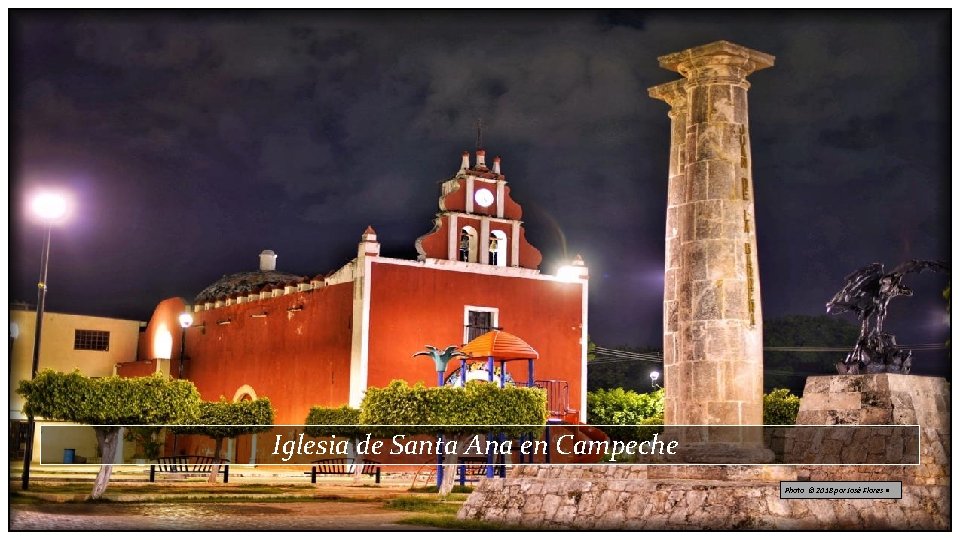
[717, 60]
[674, 93]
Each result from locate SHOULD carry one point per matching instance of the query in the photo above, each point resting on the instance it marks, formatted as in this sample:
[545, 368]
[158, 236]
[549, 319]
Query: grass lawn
[422, 506]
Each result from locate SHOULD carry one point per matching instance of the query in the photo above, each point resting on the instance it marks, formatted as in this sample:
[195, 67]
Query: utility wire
[611, 356]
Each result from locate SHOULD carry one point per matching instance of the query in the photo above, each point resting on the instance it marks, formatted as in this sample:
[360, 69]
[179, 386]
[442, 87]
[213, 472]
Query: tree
[109, 403]
[340, 421]
[454, 413]
[222, 419]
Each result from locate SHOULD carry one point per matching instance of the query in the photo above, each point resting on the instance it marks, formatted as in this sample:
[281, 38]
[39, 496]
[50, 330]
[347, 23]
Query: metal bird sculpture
[441, 359]
[867, 293]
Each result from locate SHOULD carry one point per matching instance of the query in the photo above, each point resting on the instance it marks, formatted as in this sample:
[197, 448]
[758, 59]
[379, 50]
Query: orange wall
[165, 316]
[415, 306]
[455, 201]
[530, 256]
[140, 368]
[302, 358]
[511, 210]
[297, 359]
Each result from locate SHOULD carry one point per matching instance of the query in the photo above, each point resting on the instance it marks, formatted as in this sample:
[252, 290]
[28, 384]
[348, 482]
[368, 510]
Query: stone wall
[562, 498]
[885, 399]
[733, 497]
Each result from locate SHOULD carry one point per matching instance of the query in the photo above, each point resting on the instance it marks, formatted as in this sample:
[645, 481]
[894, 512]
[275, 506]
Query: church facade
[323, 340]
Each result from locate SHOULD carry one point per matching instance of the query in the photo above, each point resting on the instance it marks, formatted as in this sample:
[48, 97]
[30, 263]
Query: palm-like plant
[441, 358]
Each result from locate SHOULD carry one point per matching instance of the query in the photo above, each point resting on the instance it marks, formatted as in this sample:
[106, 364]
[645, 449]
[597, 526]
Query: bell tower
[478, 223]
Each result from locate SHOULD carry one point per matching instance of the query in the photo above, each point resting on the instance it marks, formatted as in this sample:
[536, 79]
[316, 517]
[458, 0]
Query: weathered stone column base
[533, 499]
[719, 453]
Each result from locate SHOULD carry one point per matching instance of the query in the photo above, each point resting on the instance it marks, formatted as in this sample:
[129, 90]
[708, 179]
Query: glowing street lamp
[186, 321]
[654, 377]
[50, 208]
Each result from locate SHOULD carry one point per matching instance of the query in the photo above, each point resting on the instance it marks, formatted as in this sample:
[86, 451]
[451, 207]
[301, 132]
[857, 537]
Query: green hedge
[632, 410]
[619, 407]
[74, 397]
[780, 407]
[224, 419]
[340, 421]
[108, 403]
[477, 404]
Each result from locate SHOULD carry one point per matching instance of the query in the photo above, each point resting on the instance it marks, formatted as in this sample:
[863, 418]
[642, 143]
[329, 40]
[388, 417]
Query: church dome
[243, 283]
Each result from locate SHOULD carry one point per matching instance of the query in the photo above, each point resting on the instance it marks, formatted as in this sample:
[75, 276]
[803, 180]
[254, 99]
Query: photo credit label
[841, 490]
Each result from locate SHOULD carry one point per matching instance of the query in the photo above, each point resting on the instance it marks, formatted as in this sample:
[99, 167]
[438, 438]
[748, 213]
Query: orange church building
[323, 340]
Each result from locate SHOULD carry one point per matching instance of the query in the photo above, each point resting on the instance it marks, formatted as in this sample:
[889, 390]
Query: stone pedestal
[879, 399]
[692, 497]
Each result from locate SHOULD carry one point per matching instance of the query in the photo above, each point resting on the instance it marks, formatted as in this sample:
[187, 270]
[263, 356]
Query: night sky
[193, 143]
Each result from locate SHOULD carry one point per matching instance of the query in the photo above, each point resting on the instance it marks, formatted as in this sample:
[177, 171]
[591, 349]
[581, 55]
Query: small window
[479, 321]
[91, 340]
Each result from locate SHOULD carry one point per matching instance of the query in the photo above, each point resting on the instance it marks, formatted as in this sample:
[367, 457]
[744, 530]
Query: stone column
[675, 94]
[713, 328]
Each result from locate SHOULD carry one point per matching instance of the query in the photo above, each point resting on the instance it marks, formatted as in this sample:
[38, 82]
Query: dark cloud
[204, 139]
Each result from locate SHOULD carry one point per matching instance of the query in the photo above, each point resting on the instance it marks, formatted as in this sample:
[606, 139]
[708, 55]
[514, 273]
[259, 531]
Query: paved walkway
[209, 516]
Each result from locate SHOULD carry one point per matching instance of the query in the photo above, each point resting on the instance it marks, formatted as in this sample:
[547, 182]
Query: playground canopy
[501, 346]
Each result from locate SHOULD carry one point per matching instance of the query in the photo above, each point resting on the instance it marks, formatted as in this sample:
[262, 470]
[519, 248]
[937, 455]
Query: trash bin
[68, 454]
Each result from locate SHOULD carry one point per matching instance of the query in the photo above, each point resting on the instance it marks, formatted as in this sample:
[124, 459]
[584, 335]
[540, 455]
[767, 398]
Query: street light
[49, 207]
[186, 321]
[654, 376]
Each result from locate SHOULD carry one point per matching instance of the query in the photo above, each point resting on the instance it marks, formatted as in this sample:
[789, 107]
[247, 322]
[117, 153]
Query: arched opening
[238, 446]
[498, 248]
[468, 245]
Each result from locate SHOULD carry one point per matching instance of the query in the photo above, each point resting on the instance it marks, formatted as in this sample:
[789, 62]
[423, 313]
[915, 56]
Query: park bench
[189, 465]
[341, 467]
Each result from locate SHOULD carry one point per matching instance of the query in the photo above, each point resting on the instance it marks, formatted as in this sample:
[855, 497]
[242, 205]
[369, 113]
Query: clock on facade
[483, 197]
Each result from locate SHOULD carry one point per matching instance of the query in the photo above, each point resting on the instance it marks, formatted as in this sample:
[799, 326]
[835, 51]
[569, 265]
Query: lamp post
[654, 376]
[49, 208]
[186, 321]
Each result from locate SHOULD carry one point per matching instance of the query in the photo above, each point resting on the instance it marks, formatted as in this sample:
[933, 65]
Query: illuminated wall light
[568, 273]
[162, 343]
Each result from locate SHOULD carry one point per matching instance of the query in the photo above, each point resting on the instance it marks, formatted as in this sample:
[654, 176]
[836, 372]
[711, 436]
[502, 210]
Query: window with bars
[91, 340]
[479, 322]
